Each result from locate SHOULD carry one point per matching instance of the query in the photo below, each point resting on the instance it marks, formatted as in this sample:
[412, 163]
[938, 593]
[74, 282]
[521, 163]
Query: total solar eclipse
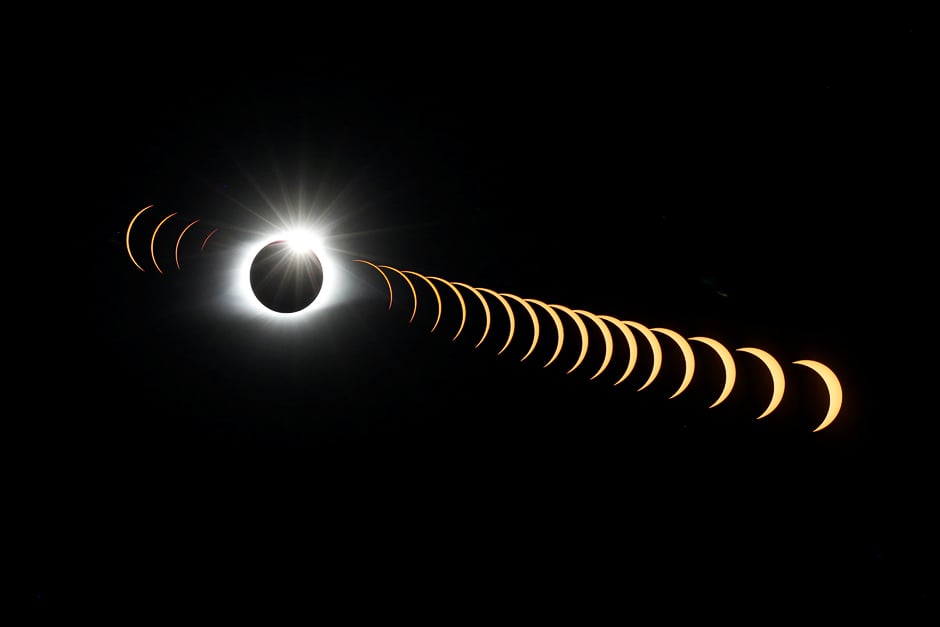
[286, 276]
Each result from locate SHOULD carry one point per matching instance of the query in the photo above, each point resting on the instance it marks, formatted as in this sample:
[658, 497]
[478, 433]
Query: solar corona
[289, 273]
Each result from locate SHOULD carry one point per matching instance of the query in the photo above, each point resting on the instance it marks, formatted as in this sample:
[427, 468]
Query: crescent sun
[631, 345]
[414, 293]
[727, 361]
[486, 310]
[463, 304]
[153, 239]
[384, 276]
[535, 321]
[776, 375]
[127, 237]
[558, 327]
[832, 384]
[512, 317]
[176, 252]
[654, 345]
[437, 296]
[608, 340]
[581, 329]
[686, 354]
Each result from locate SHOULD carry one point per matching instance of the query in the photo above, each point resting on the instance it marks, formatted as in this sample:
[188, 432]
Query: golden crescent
[512, 318]
[727, 361]
[686, 355]
[437, 295]
[654, 345]
[179, 239]
[558, 327]
[384, 276]
[463, 304]
[832, 384]
[414, 294]
[631, 345]
[153, 239]
[127, 237]
[581, 329]
[486, 310]
[535, 321]
[608, 340]
[776, 375]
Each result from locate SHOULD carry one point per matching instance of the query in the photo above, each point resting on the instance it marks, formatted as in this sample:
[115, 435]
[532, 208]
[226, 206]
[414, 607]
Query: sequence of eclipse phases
[288, 274]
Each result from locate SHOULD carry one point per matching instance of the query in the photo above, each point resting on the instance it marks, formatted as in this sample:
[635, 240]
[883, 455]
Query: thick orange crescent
[153, 239]
[776, 375]
[512, 317]
[832, 384]
[686, 355]
[581, 329]
[631, 345]
[654, 346]
[486, 310]
[608, 340]
[535, 322]
[558, 327]
[127, 237]
[727, 361]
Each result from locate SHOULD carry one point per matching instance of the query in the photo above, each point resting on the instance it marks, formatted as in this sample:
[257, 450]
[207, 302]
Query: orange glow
[776, 375]
[153, 238]
[727, 361]
[414, 294]
[176, 252]
[832, 384]
[686, 355]
[127, 237]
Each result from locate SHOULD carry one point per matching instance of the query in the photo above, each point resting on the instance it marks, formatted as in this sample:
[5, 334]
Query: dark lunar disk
[286, 278]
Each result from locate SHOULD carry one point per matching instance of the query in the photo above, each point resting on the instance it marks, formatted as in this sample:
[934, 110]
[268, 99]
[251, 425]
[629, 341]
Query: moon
[727, 361]
[832, 384]
[285, 278]
[686, 354]
[776, 375]
[127, 237]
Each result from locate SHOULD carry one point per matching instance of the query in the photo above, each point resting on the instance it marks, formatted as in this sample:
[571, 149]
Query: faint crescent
[608, 340]
[558, 327]
[727, 361]
[776, 374]
[686, 354]
[512, 317]
[437, 295]
[153, 238]
[206, 241]
[486, 310]
[654, 345]
[127, 236]
[414, 294]
[582, 330]
[384, 276]
[832, 384]
[180, 239]
[631, 344]
[463, 304]
[535, 322]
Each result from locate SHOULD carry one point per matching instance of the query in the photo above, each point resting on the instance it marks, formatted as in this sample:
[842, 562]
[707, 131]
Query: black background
[760, 184]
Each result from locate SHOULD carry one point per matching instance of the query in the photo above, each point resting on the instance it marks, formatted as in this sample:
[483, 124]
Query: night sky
[758, 186]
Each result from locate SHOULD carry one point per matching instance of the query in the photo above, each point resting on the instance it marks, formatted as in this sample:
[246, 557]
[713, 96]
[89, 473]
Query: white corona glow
[302, 240]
